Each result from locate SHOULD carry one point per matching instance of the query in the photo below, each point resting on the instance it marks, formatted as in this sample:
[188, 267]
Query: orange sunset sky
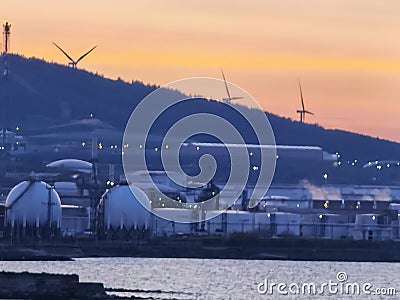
[346, 52]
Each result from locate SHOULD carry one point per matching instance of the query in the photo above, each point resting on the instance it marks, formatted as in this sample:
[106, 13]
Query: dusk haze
[345, 52]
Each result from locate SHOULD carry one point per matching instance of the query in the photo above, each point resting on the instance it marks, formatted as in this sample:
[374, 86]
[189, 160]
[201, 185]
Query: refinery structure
[67, 181]
[70, 200]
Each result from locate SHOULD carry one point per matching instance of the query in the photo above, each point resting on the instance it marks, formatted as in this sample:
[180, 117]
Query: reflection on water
[212, 279]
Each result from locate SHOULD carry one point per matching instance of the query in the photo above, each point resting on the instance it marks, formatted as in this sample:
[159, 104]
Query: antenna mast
[6, 36]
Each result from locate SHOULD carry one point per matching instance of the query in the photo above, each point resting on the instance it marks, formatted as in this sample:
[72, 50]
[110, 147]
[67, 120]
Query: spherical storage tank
[33, 203]
[122, 209]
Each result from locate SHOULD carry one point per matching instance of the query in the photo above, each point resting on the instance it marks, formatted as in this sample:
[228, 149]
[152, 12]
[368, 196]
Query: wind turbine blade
[308, 112]
[301, 95]
[83, 56]
[65, 53]
[226, 85]
[236, 98]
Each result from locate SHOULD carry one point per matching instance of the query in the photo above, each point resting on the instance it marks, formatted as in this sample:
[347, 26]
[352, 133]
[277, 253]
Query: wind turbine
[73, 63]
[303, 111]
[229, 99]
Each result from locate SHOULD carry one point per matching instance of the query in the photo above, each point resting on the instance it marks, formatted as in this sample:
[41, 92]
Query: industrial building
[34, 208]
[73, 197]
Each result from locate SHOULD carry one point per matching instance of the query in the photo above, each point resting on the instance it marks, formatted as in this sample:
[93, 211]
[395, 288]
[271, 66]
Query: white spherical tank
[122, 208]
[33, 203]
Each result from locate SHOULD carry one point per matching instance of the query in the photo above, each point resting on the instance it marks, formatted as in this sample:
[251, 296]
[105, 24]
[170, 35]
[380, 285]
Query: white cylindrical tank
[230, 221]
[163, 225]
[33, 203]
[69, 189]
[122, 208]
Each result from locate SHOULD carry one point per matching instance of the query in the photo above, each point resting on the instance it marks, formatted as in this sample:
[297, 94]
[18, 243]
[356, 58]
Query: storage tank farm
[123, 212]
[33, 208]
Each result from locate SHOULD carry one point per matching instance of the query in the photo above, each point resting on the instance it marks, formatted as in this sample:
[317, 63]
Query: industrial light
[251, 153]
[373, 218]
[320, 216]
[156, 149]
[83, 144]
[100, 146]
[17, 128]
[325, 176]
[197, 148]
[140, 146]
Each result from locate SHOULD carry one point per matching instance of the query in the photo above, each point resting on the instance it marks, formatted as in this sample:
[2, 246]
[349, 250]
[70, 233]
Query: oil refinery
[68, 199]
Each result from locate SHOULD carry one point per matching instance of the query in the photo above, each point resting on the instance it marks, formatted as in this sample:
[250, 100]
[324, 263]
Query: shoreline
[237, 247]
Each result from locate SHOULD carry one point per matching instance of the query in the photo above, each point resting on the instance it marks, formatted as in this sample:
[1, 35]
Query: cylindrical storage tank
[164, 225]
[33, 203]
[122, 208]
[69, 189]
[335, 226]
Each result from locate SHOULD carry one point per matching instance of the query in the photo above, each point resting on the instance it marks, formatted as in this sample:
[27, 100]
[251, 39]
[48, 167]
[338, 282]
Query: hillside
[41, 94]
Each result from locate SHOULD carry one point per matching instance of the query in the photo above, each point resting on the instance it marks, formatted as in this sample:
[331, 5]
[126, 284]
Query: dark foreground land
[48, 286]
[240, 246]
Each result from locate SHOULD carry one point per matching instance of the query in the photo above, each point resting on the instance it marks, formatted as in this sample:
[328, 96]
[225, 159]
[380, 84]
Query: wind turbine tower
[229, 99]
[6, 36]
[302, 112]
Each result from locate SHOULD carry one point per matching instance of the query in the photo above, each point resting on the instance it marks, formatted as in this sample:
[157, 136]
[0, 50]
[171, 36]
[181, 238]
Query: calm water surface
[217, 279]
